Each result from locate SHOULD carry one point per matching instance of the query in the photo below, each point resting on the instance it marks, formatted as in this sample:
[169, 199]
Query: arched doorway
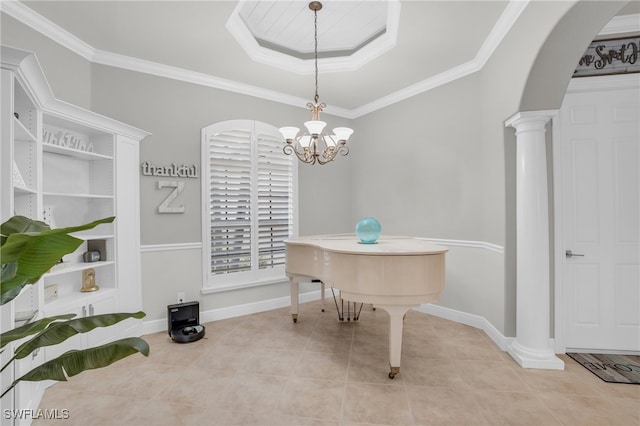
[539, 104]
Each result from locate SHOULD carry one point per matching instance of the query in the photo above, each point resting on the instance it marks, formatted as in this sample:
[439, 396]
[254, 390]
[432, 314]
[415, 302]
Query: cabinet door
[102, 335]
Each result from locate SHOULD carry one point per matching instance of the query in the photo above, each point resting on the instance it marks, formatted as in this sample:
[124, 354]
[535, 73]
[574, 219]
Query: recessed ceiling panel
[288, 27]
[281, 33]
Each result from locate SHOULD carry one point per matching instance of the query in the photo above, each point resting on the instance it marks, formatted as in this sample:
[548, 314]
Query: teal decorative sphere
[368, 230]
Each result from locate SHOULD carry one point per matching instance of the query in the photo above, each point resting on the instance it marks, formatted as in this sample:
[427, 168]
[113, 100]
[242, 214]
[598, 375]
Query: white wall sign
[165, 206]
[55, 136]
[173, 170]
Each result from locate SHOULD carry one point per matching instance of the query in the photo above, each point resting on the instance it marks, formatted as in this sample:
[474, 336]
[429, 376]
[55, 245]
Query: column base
[534, 358]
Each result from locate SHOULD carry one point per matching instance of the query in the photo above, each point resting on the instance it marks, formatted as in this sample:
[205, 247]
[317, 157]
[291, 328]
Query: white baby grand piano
[395, 274]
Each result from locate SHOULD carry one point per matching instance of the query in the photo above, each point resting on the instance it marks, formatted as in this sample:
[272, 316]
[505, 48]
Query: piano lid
[385, 246]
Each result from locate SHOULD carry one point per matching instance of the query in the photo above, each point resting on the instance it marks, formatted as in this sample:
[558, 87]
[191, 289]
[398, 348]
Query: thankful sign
[173, 170]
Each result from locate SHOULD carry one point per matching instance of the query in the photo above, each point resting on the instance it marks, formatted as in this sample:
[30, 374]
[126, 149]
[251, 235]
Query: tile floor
[262, 369]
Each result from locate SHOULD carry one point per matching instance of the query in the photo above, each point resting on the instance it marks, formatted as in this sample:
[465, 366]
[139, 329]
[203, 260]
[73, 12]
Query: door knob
[569, 253]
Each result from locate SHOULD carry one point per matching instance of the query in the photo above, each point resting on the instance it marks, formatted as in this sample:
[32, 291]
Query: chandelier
[314, 145]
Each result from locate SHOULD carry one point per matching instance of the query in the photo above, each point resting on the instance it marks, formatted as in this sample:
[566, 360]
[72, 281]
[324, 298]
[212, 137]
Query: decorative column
[532, 348]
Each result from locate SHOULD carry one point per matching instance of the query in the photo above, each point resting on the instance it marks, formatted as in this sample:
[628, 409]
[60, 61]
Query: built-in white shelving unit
[67, 166]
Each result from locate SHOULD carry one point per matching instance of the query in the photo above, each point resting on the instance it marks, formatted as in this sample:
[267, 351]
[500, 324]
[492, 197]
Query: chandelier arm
[343, 150]
[302, 156]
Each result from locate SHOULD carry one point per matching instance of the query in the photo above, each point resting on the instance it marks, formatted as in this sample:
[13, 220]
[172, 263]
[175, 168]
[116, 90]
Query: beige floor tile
[253, 392]
[438, 406]
[312, 398]
[513, 408]
[322, 365]
[372, 367]
[376, 404]
[265, 370]
[489, 375]
[590, 410]
[441, 373]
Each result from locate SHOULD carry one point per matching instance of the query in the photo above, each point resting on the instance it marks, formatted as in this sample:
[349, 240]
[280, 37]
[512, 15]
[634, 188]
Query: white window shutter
[275, 201]
[251, 200]
[230, 201]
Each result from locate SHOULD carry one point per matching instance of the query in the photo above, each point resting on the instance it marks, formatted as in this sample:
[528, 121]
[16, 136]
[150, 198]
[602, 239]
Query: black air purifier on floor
[184, 322]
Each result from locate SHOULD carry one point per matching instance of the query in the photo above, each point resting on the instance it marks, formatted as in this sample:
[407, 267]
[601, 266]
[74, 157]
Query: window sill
[220, 288]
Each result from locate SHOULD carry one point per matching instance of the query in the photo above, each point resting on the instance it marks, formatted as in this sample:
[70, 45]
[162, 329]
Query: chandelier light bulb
[313, 145]
[289, 133]
[342, 133]
[315, 127]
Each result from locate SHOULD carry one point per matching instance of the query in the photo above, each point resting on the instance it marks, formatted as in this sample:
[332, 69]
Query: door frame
[583, 84]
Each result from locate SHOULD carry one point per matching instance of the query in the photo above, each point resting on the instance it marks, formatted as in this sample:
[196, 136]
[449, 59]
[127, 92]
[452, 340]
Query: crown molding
[497, 34]
[28, 70]
[29, 17]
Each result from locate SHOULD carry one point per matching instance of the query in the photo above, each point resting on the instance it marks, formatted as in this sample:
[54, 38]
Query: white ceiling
[425, 43]
[342, 25]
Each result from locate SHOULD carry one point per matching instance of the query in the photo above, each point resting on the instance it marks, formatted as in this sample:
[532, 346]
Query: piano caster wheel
[393, 372]
[294, 317]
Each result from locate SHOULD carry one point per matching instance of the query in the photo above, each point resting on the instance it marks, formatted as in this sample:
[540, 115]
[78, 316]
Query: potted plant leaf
[28, 250]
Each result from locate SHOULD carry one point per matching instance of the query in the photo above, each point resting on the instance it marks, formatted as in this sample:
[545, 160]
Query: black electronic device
[184, 322]
[91, 256]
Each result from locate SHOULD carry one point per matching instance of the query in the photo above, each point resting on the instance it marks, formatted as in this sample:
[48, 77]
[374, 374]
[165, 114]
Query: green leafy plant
[28, 250]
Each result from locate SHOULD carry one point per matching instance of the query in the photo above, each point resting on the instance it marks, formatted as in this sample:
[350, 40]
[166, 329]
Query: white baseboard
[468, 319]
[155, 326]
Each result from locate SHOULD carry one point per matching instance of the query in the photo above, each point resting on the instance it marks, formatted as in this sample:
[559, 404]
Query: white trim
[29, 17]
[238, 285]
[622, 24]
[465, 243]
[37, 22]
[155, 326]
[476, 321]
[472, 320]
[603, 82]
[150, 248]
[497, 34]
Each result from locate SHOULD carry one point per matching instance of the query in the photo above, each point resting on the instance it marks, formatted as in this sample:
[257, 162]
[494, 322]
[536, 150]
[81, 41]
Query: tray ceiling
[424, 43]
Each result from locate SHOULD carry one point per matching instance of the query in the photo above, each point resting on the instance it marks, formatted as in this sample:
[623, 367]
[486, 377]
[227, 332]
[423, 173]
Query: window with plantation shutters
[249, 188]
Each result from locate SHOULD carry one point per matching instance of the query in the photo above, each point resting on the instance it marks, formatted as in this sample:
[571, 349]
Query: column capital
[536, 118]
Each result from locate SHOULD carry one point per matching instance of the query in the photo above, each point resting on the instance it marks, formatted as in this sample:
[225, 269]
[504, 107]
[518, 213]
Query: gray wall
[68, 74]
[174, 112]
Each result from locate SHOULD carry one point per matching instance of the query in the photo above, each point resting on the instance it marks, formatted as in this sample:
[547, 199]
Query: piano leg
[294, 299]
[396, 317]
[321, 291]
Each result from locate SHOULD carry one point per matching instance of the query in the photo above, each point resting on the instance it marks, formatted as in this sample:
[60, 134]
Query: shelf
[59, 194]
[24, 317]
[21, 190]
[77, 299]
[71, 152]
[68, 267]
[85, 235]
[21, 133]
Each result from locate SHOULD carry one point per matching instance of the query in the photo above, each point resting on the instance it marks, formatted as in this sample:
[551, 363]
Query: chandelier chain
[315, 37]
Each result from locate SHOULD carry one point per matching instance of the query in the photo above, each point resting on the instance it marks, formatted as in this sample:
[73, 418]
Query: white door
[600, 133]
